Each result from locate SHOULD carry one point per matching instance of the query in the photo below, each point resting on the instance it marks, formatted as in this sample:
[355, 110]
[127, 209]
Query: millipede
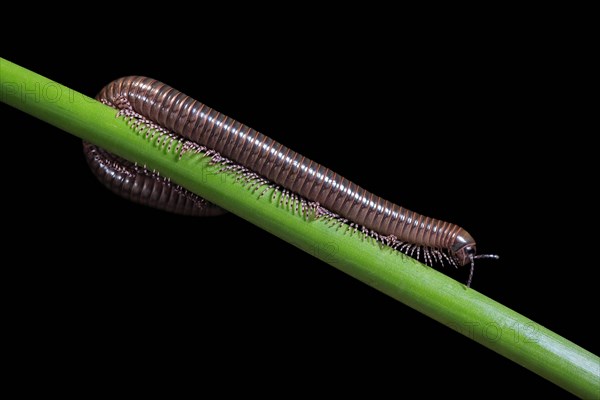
[182, 121]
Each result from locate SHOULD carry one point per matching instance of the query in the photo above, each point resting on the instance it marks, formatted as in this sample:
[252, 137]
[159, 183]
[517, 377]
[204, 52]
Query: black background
[471, 128]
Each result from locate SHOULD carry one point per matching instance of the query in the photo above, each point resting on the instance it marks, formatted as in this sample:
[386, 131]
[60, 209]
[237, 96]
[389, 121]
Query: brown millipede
[174, 113]
[139, 185]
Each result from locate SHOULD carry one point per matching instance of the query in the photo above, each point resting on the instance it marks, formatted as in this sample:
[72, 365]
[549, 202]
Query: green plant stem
[420, 287]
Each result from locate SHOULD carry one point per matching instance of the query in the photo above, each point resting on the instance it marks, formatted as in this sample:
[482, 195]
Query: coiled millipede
[177, 115]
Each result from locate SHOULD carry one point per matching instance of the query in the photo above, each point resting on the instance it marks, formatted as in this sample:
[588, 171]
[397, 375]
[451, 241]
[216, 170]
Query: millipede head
[467, 254]
[464, 250]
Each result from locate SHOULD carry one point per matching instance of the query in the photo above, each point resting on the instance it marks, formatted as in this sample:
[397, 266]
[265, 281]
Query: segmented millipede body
[141, 186]
[192, 120]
